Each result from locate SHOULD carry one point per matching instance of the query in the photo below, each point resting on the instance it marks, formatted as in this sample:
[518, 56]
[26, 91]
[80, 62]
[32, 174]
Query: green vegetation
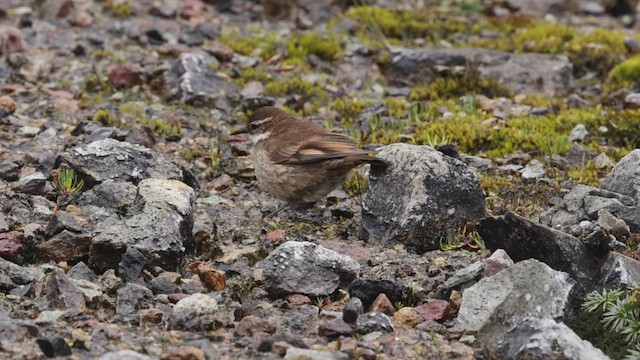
[356, 184]
[119, 9]
[620, 313]
[455, 240]
[624, 74]
[326, 47]
[263, 45]
[68, 182]
[104, 117]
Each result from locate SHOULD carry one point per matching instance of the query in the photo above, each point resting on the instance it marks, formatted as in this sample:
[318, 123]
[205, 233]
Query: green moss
[456, 85]
[294, 85]
[104, 117]
[264, 45]
[326, 46]
[598, 50]
[120, 10]
[131, 108]
[349, 109]
[356, 184]
[252, 74]
[397, 106]
[624, 74]
[587, 174]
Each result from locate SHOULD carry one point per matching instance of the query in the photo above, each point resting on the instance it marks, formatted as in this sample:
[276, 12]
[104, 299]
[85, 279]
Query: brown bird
[298, 161]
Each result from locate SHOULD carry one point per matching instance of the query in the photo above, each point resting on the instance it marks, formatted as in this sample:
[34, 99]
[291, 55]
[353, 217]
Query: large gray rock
[110, 159]
[158, 224]
[300, 267]
[420, 196]
[549, 75]
[192, 81]
[309, 354]
[527, 289]
[542, 339]
[624, 178]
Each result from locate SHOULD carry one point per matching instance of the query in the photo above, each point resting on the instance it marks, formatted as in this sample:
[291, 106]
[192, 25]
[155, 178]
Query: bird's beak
[242, 130]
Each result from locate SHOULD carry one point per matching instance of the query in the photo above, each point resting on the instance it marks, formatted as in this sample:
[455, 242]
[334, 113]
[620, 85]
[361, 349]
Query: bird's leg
[276, 211]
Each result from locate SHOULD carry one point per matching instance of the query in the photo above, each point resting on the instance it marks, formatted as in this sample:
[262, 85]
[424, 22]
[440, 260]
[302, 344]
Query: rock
[382, 304]
[251, 324]
[91, 292]
[334, 329]
[420, 196]
[618, 271]
[352, 310]
[10, 245]
[61, 221]
[190, 80]
[373, 321]
[602, 161]
[7, 103]
[460, 280]
[306, 268]
[623, 178]
[632, 101]
[12, 275]
[497, 262]
[124, 76]
[160, 227]
[193, 313]
[9, 170]
[110, 159]
[533, 170]
[528, 288]
[578, 133]
[213, 279]
[131, 298]
[165, 283]
[131, 264]
[63, 294]
[110, 194]
[308, 354]
[539, 9]
[53, 346]
[539, 339]
[367, 290]
[125, 355]
[267, 344]
[548, 75]
[524, 239]
[407, 317]
[65, 246]
[436, 310]
[81, 271]
[613, 225]
[31, 184]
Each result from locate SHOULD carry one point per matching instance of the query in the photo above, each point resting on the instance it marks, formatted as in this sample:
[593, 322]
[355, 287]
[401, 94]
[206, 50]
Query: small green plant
[434, 140]
[356, 184]
[321, 302]
[214, 157]
[68, 182]
[104, 117]
[454, 240]
[620, 314]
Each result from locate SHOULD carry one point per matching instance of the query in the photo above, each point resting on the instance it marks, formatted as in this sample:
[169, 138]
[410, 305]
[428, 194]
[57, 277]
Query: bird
[298, 161]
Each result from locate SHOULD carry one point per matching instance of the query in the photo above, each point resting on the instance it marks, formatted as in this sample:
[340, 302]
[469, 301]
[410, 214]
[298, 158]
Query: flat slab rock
[549, 75]
[107, 159]
[419, 196]
[300, 267]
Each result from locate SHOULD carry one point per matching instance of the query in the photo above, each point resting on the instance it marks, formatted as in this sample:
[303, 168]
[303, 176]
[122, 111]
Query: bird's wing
[317, 148]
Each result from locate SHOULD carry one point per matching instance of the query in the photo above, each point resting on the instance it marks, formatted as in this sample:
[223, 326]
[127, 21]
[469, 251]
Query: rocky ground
[131, 226]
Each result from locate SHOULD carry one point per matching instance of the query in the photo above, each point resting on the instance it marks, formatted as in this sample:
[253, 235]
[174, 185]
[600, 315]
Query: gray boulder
[549, 75]
[13, 275]
[158, 225]
[542, 339]
[420, 196]
[300, 267]
[110, 159]
[527, 289]
[192, 81]
[624, 178]
[194, 313]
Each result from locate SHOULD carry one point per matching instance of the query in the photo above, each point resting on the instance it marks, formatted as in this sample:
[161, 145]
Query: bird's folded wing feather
[317, 148]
